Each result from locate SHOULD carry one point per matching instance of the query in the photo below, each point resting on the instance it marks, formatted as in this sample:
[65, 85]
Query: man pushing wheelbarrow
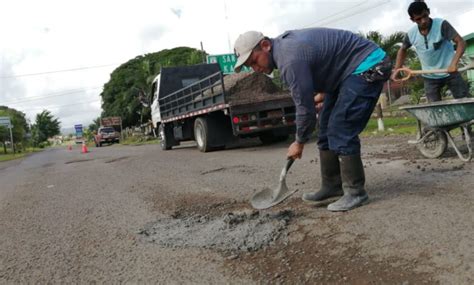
[433, 42]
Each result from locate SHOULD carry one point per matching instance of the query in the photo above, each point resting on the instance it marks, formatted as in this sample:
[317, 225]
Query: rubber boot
[331, 185]
[353, 181]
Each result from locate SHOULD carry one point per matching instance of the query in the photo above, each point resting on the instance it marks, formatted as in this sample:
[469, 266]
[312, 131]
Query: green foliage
[20, 126]
[393, 126]
[134, 78]
[277, 80]
[45, 127]
[95, 125]
[390, 44]
[88, 134]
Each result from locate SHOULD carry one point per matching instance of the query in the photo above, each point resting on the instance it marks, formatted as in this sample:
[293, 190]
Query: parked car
[106, 135]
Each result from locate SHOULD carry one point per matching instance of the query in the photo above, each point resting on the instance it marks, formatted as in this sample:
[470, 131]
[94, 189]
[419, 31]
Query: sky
[57, 55]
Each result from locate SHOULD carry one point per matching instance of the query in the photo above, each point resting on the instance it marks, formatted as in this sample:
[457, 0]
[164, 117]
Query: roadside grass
[393, 126]
[138, 141]
[11, 156]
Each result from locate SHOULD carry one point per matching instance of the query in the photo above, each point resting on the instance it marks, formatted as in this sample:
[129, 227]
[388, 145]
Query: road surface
[139, 214]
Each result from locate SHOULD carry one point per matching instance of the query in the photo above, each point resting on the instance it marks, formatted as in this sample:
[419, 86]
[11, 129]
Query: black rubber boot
[331, 185]
[353, 181]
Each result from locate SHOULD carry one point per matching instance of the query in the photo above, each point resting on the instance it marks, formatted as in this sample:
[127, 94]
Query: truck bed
[245, 90]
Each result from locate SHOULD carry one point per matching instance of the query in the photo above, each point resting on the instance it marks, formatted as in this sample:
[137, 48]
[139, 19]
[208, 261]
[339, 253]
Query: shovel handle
[289, 163]
[408, 72]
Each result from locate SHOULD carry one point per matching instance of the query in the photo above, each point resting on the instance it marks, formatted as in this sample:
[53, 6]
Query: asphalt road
[67, 217]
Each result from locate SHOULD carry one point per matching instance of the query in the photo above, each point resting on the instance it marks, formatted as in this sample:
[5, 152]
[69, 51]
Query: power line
[337, 13]
[362, 10]
[60, 106]
[56, 94]
[57, 71]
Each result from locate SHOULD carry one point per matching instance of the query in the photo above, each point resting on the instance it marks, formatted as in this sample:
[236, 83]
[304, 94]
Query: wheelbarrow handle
[408, 72]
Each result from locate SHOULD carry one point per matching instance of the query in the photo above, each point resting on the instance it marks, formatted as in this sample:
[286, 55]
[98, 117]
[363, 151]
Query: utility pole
[227, 26]
[11, 138]
[202, 53]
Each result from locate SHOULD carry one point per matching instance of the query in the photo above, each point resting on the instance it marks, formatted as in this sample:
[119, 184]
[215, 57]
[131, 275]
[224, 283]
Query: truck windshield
[107, 130]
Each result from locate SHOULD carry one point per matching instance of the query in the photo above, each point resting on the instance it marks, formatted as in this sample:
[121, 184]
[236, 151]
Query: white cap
[244, 45]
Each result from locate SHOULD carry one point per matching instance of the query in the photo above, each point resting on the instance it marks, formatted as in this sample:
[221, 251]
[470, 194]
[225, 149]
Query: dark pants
[345, 114]
[455, 83]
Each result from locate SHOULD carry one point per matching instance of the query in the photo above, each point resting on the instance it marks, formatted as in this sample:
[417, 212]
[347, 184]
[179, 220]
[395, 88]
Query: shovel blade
[268, 197]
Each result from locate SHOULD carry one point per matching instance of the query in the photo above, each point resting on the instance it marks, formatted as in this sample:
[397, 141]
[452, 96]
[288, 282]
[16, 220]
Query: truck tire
[165, 138]
[203, 134]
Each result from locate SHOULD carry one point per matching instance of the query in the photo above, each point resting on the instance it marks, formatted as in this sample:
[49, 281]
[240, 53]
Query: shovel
[409, 73]
[267, 197]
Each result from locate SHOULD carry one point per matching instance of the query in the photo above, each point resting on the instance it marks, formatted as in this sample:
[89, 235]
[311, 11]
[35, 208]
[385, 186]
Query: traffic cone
[84, 148]
[69, 147]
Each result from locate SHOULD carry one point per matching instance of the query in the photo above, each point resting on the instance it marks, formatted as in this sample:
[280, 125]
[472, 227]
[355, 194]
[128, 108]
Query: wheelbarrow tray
[441, 117]
[443, 113]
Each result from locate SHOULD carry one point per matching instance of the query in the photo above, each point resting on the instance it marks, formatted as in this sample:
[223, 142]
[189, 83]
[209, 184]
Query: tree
[45, 126]
[390, 44]
[20, 127]
[95, 125]
[133, 79]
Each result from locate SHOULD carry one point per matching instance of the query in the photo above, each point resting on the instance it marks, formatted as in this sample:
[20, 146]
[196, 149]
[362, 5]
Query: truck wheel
[434, 145]
[165, 143]
[202, 134]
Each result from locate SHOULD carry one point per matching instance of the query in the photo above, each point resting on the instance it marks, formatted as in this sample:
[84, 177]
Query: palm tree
[390, 44]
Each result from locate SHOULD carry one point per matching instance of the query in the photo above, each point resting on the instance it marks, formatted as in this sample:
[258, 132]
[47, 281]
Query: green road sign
[226, 62]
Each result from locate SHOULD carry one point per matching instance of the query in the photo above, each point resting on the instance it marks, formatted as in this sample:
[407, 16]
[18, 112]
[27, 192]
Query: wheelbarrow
[439, 118]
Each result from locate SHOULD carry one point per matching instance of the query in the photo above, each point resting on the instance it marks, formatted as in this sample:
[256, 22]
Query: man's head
[420, 14]
[253, 50]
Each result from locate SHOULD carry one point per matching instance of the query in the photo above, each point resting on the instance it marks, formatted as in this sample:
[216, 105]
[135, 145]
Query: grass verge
[10, 156]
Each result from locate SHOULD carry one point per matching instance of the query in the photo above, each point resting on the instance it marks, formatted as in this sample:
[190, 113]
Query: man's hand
[318, 101]
[295, 150]
[394, 76]
[452, 68]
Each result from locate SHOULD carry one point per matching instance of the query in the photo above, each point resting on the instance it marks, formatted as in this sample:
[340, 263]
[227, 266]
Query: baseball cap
[244, 45]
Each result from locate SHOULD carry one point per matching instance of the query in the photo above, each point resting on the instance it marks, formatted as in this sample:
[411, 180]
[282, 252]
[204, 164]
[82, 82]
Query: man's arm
[460, 48]
[298, 77]
[401, 56]
[449, 33]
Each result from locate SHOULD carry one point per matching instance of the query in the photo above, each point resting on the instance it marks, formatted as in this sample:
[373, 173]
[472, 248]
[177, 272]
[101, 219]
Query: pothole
[78, 160]
[231, 232]
[116, 159]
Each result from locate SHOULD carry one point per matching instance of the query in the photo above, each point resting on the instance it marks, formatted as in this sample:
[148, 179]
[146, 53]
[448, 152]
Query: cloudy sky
[57, 55]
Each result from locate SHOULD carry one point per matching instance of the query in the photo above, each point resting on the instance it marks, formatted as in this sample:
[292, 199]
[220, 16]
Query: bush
[43, 144]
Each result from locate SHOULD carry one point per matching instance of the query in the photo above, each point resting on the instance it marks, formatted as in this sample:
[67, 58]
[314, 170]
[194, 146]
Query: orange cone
[84, 148]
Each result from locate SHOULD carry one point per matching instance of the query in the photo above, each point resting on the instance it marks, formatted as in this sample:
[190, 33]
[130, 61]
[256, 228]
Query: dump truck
[199, 103]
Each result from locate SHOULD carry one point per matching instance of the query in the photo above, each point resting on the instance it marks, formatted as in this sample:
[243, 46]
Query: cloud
[59, 35]
[177, 12]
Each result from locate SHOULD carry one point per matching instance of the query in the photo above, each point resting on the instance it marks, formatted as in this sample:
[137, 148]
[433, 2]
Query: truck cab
[155, 106]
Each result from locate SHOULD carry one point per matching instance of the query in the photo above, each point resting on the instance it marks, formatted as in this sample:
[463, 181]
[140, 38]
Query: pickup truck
[106, 135]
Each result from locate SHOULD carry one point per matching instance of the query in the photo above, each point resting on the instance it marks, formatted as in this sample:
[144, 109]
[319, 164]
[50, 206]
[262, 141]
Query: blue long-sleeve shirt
[316, 60]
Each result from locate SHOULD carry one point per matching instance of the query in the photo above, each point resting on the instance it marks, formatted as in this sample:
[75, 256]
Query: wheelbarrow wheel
[434, 145]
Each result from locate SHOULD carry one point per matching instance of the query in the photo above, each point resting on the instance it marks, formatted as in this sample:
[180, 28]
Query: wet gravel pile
[246, 88]
[231, 232]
